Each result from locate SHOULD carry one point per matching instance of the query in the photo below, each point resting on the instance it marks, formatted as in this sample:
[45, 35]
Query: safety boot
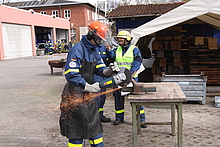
[143, 126]
[118, 121]
[105, 119]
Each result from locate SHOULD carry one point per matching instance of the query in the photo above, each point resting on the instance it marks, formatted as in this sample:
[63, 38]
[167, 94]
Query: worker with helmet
[129, 56]
[47, 48]
[79, 117]
[59, 46]
[50, 48]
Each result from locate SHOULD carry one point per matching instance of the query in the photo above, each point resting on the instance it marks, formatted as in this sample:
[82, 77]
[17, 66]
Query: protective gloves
[92, 87]
[113, 67]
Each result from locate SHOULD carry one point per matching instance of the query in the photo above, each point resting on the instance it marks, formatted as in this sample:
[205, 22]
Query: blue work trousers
[96, 141]
[101, 101]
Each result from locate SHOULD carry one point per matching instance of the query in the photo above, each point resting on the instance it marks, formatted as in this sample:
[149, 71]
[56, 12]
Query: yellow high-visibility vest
[127, 59]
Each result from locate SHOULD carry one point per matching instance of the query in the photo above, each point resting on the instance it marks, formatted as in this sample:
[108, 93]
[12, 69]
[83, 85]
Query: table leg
[138, 120]
[180, 124]
[63, 70]
[51, 70]
[173, 120]
[134, 124]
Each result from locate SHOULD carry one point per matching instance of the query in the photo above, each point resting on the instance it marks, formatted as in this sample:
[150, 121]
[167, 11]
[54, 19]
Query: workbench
[167, 94]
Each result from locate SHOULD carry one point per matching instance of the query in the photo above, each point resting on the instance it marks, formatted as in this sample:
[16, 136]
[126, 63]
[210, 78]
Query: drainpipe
[60, 11]
[33, 40]
[2, 54]
[54, 36]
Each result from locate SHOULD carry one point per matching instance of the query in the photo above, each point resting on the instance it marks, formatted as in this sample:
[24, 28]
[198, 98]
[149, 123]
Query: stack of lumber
[209, 42]
[199, 55]
[166, 47]
[206, 61]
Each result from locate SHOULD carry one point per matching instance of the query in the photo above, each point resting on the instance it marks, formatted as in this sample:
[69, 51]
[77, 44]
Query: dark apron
[79, 117]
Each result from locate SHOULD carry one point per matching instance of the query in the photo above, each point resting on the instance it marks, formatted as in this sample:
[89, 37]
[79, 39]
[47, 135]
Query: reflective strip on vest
[74, 145]
[96, 141]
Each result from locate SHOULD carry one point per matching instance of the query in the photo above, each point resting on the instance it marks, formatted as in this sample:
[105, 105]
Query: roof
[205, 10]
[43, 3]
[142, 10]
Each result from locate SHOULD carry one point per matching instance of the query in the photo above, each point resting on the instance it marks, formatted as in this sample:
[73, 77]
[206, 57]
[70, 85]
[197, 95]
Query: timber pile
[206, 61]
[199, 55]
[167, 49]
[204, 56]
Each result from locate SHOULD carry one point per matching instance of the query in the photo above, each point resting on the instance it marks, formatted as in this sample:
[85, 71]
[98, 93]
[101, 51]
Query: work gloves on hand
[113, 67]
[92, 87]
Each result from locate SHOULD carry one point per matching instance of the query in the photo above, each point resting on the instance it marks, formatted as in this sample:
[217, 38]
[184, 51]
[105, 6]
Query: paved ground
[29, 112]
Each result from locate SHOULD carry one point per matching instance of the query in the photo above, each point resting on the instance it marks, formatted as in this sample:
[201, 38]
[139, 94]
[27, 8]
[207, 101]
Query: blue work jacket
[84, 50]
[103, 53]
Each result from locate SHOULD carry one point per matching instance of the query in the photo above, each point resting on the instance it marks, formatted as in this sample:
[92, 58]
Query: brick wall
[79, 15]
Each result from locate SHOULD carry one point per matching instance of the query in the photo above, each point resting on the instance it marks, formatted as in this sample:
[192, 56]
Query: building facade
[19, 29]
[78, 14]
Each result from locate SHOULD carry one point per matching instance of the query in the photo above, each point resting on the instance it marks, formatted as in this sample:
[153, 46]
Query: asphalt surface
[29, 112]
[29, 103]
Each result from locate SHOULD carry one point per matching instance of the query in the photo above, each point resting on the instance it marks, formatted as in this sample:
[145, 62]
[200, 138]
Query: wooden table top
[165, 92]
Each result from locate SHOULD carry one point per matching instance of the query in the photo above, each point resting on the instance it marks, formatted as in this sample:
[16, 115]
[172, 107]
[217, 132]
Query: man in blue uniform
[79, 117]
[59, 46]
[129, 56]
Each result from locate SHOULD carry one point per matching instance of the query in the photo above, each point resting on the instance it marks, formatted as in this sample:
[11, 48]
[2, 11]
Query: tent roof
[205, 10]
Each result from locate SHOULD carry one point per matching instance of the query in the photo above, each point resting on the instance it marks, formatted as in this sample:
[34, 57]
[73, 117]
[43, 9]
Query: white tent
[204, 10]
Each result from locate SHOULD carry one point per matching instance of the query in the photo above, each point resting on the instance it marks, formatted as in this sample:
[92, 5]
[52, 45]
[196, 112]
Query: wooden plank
[211, 42]
[166, 45]
[156, 45]
[192, 40]
[160, 54]
[162, 62]
[177, 61]
[176, 53]
[175, 45]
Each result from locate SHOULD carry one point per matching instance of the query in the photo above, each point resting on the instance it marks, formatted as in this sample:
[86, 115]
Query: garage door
[16, 40]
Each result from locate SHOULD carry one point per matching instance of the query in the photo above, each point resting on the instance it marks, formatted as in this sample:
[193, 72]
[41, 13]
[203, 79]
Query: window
[55, 13]
[73, 34]
[43, 12]
[66, 13]
[88, 14]
[93, 15]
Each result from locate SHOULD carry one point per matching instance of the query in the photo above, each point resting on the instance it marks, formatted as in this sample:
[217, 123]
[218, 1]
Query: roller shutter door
[16, 40]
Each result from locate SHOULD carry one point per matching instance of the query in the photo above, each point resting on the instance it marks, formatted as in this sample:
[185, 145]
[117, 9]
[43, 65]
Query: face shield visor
[101, 36]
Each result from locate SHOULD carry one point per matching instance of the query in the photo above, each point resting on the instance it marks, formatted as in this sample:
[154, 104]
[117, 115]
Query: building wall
[30, 18]
[81, 15]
